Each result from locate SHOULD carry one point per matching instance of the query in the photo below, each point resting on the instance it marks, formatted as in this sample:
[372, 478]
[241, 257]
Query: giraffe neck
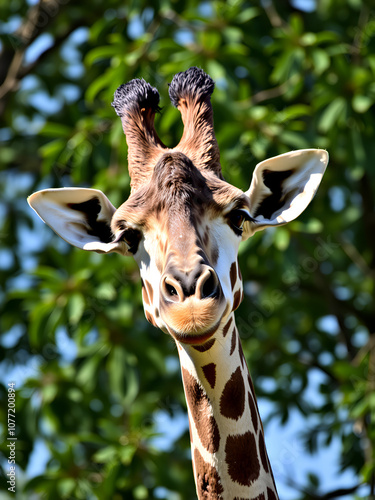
[229, 456]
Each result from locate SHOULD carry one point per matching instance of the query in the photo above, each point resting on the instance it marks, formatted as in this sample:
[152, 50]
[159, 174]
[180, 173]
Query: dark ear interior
[90, 210]
[283, 186]
[276, 199]
[81, 216]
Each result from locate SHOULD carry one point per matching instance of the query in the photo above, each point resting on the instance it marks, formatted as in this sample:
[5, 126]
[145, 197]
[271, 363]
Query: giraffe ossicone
[183, 224]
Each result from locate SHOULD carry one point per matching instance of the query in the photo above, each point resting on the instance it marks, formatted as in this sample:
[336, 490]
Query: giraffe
[183, 224]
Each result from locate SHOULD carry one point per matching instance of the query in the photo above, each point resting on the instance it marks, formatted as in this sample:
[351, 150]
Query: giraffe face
[182, 222]
[184, 228]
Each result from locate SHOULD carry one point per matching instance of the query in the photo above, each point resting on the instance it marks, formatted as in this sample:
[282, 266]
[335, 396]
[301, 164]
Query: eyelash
[237, 219]
[131, 237]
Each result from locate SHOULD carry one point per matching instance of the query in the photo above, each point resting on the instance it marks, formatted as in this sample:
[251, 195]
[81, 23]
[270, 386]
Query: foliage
[92, 376]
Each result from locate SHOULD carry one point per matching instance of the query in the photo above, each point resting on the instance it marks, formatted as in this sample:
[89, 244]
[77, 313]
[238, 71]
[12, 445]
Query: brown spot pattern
[210, 373]
[251, 386]
[150, 291]
[227, 326]
[214, 255]
[271, 495]
[205, 238]
[233, 275]
[237, 299]
[253, 411]
[242, 356]
[149, 318]
[144, 294]
[233, 341]
[254, 398]
[207, 479]
[241, 457]
[204, 347]
[263, 453]
[239, 271]
[199, 406]
[232, 401]
[144, 297]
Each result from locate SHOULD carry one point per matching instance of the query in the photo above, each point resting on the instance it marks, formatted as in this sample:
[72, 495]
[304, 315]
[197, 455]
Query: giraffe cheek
[153, 317]
[150, 319]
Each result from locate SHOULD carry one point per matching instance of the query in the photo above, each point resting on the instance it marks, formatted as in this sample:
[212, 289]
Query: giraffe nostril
[210, 286]
[171, 289]
[202, 283]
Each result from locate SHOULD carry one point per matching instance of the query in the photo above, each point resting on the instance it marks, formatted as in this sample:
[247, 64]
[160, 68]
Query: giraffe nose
[176, 286]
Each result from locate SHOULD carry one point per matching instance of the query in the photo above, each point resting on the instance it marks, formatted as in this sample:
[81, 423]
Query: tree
[92, 377]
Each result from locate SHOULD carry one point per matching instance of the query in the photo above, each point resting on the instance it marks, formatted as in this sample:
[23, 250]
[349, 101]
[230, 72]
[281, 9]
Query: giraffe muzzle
[177, 286]
[191, 303]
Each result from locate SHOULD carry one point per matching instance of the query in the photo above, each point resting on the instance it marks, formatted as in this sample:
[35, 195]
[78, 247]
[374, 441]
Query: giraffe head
[182, 222]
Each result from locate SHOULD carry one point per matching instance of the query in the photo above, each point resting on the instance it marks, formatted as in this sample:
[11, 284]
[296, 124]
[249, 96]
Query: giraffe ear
[82, 217]
[283, 186]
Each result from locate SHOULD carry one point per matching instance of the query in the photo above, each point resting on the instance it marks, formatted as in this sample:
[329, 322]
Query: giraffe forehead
[178, 191]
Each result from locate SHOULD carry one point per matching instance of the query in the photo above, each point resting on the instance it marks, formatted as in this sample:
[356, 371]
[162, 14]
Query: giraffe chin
[194, 338]
[193, 321]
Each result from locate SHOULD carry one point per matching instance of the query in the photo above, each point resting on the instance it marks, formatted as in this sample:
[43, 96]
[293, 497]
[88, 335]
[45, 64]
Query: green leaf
[210, 40]
[38, 316]
[281, 239]
[368, 471]
[98, 85]
[293, 111]
[333, 115]
[140, 492]
[362, 103]
[247, 14]
[86, 374]
[123, 375]
[308, 39]
[345, 370]
[51, 129]
[65, 487]
[52, 148]
[76, 307]
[49, 393]
[296, 141]
[321, 61]
[127, 453]
[215, 69]
[360, 409]
[312, 226]
[105, 455]
[98, 53]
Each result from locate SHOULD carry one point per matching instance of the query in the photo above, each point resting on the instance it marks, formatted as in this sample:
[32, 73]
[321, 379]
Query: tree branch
[325, 496]
[314, 363]
[357, 259]
[26, 70]
[38, 19]
[340, 492]
[272, 14]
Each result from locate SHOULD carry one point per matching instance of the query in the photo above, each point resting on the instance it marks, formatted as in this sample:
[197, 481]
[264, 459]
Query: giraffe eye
[131, 237]
[237, 218]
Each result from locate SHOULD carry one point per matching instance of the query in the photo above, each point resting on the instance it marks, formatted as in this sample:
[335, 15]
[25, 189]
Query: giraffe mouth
[193, 321]
[192, 338]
